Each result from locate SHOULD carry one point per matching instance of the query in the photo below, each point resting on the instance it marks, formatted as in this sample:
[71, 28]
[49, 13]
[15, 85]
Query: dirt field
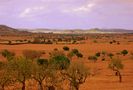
[104, 79]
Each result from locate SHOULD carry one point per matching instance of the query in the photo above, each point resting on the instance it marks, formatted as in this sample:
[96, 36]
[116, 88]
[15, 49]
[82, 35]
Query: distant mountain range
[5, 30]
[80, 31]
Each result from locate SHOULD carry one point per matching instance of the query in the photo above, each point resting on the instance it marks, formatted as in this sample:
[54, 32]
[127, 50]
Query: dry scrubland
[101, 78]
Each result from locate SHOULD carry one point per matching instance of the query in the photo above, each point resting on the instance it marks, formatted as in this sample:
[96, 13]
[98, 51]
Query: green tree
[124, 52]
[60, 61]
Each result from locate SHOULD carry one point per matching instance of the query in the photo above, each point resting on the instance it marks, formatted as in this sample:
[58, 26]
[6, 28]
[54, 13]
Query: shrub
[95, 41]
[75, 51]
[65, 48]
[98, 54]
[111, 42]
[124, 52]
[42, 62]
[7, 54]
[79, 55]
[92, 58]
[31, 54]
[111, 55]
[55, 49]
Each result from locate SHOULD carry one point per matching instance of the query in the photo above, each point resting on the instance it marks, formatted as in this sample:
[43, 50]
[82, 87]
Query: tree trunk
[40, 87]
[23, 87]
[2, 87]
[120, 77]
[76, 87]
[117, 73]
[51, 88]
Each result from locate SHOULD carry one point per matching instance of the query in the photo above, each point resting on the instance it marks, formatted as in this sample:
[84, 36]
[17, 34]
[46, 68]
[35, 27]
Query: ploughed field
[103, 78]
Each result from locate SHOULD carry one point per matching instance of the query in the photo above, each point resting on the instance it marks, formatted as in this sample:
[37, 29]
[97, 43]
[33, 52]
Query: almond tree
[22, 69]
[77, 74]
[6, 76]
[116, 65]
[40, 72]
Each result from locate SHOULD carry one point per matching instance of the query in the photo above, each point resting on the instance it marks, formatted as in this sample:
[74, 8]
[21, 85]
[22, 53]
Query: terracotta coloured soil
[104, 78]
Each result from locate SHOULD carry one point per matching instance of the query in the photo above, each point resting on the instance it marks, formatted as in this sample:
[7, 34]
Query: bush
[92, 58]
[111, 55]
[49, 42]
[124, 52]
[98, 54]
[75, 51]
[111, 42]
[95, 41]
[79, 55]
[42, 62]
[31, 54]
[7, 54]
[65, 48]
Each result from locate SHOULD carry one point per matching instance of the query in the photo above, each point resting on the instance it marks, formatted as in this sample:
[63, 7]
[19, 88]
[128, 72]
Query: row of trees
[50, 73]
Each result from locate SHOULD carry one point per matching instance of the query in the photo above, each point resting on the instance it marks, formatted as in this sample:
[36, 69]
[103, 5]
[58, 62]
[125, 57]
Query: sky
[67, 14]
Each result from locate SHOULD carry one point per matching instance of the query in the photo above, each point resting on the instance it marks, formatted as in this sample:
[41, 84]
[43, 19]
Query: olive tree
[60, 61]
[116, 65]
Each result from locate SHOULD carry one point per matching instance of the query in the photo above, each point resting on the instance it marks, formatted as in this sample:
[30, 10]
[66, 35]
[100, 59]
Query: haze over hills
[5, 30]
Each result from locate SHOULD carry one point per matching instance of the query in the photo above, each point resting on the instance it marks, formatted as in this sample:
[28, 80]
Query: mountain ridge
[6, 30]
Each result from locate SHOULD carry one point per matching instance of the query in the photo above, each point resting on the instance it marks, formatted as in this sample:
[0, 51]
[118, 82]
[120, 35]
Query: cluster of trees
[114, 42]
[50, 74]
[104, 53]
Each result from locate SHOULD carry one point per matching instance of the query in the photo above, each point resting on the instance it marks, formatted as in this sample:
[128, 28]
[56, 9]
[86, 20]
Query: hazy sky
[70, 14]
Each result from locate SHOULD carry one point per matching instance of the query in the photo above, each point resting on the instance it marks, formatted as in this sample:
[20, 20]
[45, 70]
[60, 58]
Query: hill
[5, 30]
